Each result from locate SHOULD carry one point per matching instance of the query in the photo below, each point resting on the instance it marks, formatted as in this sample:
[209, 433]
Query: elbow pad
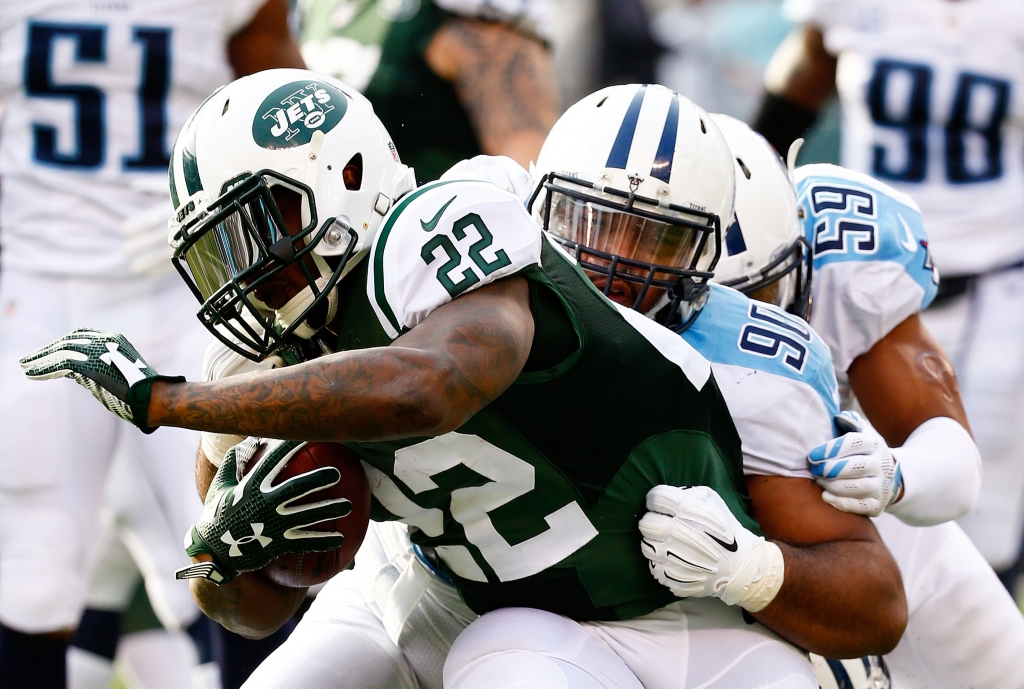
[941, 469]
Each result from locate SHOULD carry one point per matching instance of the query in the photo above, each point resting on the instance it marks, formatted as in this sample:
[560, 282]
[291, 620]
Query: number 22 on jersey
[87, 45]
[509, 478]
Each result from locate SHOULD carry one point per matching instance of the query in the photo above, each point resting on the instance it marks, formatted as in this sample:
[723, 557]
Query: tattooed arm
[504, 79]
[428, 382]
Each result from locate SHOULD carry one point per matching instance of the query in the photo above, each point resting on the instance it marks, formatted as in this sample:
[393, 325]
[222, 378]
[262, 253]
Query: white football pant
[56, 442]
[982, 331]
[964, 629]
[390, 624]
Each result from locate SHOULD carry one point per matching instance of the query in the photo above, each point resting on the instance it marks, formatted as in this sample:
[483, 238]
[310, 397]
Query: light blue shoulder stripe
[849, 219]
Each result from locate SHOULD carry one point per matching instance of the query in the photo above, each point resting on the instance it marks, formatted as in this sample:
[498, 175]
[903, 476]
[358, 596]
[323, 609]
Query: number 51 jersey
[93, 93]
[933, 104]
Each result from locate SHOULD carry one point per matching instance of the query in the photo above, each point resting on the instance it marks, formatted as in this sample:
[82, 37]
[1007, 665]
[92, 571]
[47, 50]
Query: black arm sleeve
[782, 122]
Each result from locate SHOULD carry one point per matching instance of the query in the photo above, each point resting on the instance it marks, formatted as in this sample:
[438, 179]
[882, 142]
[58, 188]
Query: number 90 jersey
[94, 92]
[933, 103]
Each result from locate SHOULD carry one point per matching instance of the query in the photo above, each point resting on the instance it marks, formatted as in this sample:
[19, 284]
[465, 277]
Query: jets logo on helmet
[634, 181]
[293, 112]
[766, 253]
[278, 169]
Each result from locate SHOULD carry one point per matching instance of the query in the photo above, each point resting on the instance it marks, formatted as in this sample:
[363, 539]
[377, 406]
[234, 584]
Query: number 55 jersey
[93, 93]
[535, 500]
[933, 104]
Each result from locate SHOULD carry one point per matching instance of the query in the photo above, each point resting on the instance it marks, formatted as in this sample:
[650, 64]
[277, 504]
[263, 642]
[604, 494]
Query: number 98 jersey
[94, 92]
[933, 104]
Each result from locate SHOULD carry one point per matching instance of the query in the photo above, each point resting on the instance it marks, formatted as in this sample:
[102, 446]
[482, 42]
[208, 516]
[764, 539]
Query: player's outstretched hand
[106, 364]
[857, 470]
[697, 548]
[247, 521]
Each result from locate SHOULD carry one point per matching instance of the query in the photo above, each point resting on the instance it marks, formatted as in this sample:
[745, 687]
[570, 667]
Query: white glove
[858, 471]
[697, 548]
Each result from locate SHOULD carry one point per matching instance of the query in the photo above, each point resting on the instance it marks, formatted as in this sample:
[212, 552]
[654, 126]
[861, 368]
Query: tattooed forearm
[504, 79]
[429, 381]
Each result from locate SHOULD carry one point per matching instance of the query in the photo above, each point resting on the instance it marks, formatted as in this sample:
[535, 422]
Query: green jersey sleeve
[441, 241]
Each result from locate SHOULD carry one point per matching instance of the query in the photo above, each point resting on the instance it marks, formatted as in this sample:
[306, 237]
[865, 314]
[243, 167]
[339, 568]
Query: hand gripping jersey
[933, 103]
[775, 374]
[93, 94]
[378, 47]
[872, 259]
[535, 500]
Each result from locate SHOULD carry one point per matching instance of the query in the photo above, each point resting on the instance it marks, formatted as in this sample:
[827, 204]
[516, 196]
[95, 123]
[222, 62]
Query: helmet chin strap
[287, 314]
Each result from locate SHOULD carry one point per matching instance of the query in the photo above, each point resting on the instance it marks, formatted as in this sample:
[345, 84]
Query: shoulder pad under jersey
[776, 376]
[442, 240]
[872, 266]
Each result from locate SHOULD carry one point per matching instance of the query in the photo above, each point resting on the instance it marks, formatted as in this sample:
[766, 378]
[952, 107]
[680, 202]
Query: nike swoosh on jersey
[910, 244]
[432, 223]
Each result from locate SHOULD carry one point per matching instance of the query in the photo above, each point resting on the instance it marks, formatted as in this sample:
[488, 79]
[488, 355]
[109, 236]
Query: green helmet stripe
[190, 166]
[173, 184]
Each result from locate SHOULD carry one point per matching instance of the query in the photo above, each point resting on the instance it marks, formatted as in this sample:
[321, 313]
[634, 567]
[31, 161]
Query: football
[297, 570]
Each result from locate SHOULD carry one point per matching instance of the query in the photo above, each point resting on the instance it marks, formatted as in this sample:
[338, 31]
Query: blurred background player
[93, 94]
[931, 99]
[450, 79]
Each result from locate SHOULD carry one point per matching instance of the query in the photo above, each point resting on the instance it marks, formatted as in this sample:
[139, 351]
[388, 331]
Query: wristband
[138, 400]
[782, 122]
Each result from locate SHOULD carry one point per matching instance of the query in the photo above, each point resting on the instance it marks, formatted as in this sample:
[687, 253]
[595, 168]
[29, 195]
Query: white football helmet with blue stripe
[636, 182]
[766, 255]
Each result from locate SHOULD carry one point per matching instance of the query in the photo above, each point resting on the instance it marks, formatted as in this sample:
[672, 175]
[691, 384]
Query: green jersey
[378, 46]
[535, 500]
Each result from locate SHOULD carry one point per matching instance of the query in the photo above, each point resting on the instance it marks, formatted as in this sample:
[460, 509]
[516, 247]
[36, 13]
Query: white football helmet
[766, 253]
[635, 181]
[280, 134]
[869, 672]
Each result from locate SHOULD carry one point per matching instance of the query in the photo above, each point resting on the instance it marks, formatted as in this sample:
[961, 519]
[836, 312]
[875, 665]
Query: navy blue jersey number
[912, 120]
[844, 234]
[773, 335]
[89, 43]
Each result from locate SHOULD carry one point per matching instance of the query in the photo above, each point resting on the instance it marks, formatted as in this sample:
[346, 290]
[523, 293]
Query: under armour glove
[106, 364]
[247, 522]
[857, 470]
[697, 548]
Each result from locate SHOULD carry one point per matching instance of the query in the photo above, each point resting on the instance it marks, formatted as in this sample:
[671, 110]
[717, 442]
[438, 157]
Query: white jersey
[872, 264]
[933, 103]
[94, 94]
[776, 377]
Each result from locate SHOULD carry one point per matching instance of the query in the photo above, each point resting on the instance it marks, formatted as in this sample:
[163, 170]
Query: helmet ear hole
[353, 173]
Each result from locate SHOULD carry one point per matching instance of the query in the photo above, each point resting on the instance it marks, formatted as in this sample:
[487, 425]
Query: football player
[964, 629]
[92, 92]
[489, 343]
[931, 98]
[450, 79]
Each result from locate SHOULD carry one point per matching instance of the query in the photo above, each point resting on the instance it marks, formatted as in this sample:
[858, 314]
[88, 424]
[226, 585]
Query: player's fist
[857, 470]
[697, 548]
[106, 364]
[248, 520]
